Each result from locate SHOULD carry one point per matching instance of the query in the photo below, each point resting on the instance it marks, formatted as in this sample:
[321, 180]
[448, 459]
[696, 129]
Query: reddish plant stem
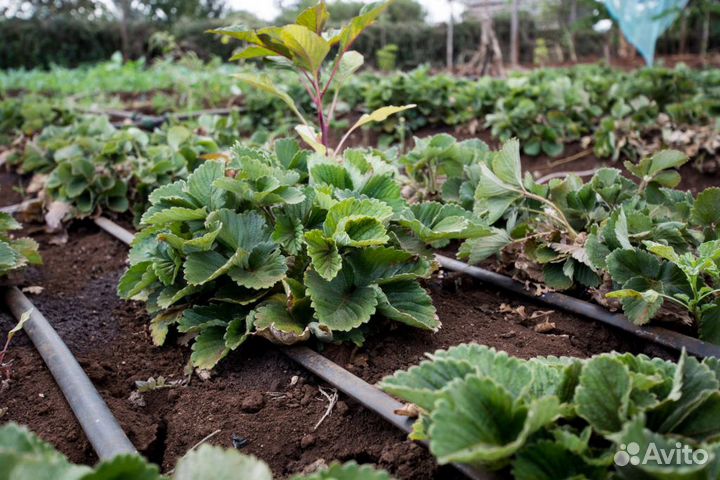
[324, 128]
[336, 67]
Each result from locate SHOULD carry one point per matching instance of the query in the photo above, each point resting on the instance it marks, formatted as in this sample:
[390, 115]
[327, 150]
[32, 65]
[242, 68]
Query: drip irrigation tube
[115, 230]
[354, 387]
[659, 335]
[150, 122]
[367, 395]
[94, 416]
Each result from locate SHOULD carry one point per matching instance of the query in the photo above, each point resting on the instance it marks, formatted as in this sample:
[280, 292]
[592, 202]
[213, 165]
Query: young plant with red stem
[306, 45]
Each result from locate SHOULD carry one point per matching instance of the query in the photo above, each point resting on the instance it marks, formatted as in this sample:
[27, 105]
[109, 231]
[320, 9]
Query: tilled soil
[257, 399]
[9, 189]
[256, 395]
[472, 312]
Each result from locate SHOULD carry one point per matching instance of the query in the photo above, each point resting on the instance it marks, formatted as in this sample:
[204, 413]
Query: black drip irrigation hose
[94, 416]
[151, 122]
[115, 230]
[662, 336]
[367, 395]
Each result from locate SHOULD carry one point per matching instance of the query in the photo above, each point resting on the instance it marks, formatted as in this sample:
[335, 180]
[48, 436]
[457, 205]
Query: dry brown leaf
[33, 290]
[541, 289]
[544, 327]
[37, 183]
[4, 155]
[57, 211]
[409, 410]
[519, 311]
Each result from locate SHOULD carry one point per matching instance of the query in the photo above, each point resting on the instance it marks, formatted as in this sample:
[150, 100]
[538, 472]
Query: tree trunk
[488, 59]
[705, 37]
[514, 35]
[625, 49]
[683, 34]
[124, 36]
[571, 30]
[449, 43]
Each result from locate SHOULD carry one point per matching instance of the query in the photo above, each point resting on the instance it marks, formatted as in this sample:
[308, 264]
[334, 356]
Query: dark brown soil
[472, 312]
[256, 394]
[110, 339]
[251, 395]
[9, 188]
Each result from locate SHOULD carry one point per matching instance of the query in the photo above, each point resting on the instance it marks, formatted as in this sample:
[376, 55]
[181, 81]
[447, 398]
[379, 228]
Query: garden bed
[251, 395]
[110, 339]
[257, 395]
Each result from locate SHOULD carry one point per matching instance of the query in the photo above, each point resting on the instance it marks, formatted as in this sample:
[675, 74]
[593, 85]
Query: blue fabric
[643, 21]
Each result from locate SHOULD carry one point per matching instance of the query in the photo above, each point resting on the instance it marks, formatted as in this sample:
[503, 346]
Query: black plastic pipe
[94, 416]
[367, 395]
[151, 122]
[659, 335]
[115, 230]
[356, 388]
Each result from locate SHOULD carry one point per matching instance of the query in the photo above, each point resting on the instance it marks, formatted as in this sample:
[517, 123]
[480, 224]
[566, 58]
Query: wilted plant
[5, 366]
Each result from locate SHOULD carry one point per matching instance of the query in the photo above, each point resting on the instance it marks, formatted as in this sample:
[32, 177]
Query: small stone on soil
[253, 403]
[342, 407]
[307, 441]
[238, 441]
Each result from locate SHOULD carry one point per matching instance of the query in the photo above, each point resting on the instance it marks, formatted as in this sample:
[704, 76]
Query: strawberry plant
[442, 100]
[30, 114]
[689, 280]
[91, 165]
[286, 245]
[24, 454]
[644, 236]
[442, 163]
[550, 417]
[544, 115]
[15, 253]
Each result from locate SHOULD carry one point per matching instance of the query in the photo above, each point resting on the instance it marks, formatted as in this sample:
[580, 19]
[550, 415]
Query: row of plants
[610, 416]
[546, 109]
[637, 240]
[287, 243]
[24, 456]
[90, 165]
[302, 240]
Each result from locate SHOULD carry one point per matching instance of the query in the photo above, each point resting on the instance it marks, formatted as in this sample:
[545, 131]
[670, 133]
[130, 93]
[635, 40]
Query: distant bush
[69, 42]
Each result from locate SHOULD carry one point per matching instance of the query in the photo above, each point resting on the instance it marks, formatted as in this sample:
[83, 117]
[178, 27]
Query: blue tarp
[643, 21]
